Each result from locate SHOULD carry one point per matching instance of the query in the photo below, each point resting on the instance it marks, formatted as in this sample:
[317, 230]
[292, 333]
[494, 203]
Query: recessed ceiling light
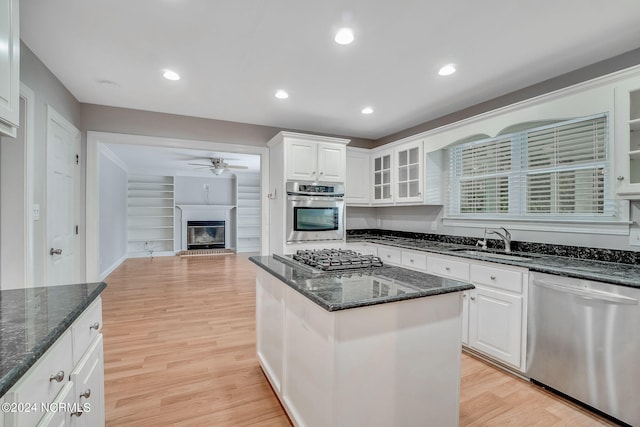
[367, 110]
[447, 70]
[170, 75]
[344, 36]
[282, 94]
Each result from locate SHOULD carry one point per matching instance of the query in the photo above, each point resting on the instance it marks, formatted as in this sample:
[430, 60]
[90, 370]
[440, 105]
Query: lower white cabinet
[465, 317]
[390, 255]
[67, 377]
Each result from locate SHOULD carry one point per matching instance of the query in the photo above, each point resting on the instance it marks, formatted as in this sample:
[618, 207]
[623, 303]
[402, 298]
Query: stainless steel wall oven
[315, 211]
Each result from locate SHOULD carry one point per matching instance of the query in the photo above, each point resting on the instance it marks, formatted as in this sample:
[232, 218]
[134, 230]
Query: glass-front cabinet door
[382, 177]
[627, 135]
[409, 170]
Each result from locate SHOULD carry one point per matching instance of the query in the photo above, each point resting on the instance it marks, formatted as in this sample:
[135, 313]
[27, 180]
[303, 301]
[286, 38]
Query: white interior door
[63, 151]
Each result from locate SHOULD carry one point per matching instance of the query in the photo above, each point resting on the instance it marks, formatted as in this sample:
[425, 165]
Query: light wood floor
[179, 344]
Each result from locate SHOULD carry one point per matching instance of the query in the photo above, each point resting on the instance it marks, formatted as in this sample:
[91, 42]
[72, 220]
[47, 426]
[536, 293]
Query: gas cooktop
[333, 259]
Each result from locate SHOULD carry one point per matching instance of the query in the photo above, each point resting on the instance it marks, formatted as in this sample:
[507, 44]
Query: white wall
[190, 190]
[113, 212]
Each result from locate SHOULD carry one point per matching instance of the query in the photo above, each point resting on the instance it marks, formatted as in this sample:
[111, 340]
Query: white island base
[392, 364]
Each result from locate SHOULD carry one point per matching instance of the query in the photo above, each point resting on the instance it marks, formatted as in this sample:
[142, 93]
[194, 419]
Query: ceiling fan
[217, 165]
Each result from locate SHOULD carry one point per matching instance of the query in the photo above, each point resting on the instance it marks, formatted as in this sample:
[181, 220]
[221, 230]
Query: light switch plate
[36, 212]
[634, 237]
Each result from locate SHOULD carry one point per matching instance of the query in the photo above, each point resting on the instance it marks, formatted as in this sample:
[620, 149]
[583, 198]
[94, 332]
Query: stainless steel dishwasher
[583, 340]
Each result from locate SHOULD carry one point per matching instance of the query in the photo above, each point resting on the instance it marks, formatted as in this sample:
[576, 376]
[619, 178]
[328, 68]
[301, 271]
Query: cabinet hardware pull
[493, 277]
[447, 268]
[86, 394]
[411, 260]
[620, 178]
[473, 298]
[95, 326]
[77, 414]
[59, 377]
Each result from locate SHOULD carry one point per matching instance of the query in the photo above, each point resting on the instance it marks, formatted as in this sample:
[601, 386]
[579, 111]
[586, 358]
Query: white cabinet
[315, 161]
[409, 172]
[150, 215]
[9, 67]
[269, 327]
[494, 313]
[414, 259]
[68, 378]
[403, 174]
[627, 134]
[381, 162]
[363, 248]
[357, 191]
[390, 255]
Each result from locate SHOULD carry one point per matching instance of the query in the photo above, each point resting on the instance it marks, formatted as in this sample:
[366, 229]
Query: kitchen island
[378, 346]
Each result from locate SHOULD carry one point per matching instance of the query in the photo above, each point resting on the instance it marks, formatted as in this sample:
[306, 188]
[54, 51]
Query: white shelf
[150, 215]
[248, 218]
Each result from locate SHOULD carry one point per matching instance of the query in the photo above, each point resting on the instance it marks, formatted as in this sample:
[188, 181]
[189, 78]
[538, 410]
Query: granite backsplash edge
[580, 252]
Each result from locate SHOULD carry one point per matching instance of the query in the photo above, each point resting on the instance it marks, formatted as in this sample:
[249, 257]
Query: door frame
[96, 139]
[29, 97]
[53, 115]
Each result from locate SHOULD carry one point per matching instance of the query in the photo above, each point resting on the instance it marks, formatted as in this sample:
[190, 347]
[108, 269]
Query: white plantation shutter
[566, 168]
[557, 170]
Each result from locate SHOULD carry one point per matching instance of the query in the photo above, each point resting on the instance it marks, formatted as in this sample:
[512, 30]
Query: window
[557, 171]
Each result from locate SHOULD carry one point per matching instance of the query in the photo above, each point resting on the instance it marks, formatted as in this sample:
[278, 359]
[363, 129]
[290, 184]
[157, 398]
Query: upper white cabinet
[382, 162]
[9, 67]
[409, 172]
[402, 174]
[627, 137]
[357, 190]
[310, 160]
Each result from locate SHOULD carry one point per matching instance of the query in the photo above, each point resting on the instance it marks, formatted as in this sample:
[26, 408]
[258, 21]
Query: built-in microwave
[315, 211]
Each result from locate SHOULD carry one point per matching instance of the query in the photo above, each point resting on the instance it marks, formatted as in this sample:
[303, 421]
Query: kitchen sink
[507, 256]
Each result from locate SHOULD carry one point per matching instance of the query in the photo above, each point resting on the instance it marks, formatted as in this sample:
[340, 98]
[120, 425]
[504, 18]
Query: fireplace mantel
[206, 213]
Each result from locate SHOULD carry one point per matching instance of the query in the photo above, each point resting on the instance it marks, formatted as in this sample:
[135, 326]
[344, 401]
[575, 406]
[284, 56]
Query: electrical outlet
[634, 237]
[36, 212]
[378, 222]
[434, 225]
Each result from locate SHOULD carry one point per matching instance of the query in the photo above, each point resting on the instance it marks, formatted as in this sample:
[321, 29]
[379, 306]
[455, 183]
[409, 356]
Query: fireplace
[205, 234]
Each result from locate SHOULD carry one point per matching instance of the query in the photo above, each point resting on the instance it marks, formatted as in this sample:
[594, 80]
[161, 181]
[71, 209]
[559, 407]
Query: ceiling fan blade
[198, 164]
[236, 167]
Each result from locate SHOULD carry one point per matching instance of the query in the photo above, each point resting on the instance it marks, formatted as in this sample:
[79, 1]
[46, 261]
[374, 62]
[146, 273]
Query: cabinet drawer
[86, 328]
[414, 260]
[37, 385]
[391, 256]
[447, 267]
[56, 418]
[499, 278]
[88, 380]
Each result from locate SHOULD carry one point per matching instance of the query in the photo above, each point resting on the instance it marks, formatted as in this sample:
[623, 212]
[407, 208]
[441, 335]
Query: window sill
[540, 224]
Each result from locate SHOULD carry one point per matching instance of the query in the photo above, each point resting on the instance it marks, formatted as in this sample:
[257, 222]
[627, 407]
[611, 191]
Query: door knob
[55, 251]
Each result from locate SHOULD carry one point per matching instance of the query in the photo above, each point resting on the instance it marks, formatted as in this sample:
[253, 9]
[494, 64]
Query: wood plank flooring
[179, 343]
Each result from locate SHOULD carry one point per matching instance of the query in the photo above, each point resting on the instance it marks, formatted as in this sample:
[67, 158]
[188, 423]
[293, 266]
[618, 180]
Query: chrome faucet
[483, 242]
[506, 237]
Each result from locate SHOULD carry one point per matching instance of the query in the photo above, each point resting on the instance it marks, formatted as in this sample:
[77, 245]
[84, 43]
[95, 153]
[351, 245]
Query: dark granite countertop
[362, 287]
[32, 319]
[617, 273]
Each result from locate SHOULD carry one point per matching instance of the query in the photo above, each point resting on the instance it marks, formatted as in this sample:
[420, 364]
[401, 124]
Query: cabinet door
[627, 147]
[302, 160]
[9, 67]
[331, 162]
[495, 324]
[382, 178]
[270, 326]
[465, 317]
[88, 381]
[409, 170]
[61, 418]
[357, 182]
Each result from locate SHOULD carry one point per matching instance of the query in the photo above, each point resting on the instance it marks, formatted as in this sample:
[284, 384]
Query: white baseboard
[113, 266]
[146, 254]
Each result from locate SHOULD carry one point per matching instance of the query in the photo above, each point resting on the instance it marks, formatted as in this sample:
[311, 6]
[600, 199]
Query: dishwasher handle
[588, 293]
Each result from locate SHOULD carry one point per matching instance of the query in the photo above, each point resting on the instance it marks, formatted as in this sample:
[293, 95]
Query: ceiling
[148, 160]
[234, 55]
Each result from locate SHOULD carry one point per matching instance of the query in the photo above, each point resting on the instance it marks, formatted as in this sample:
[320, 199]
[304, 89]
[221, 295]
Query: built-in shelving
[150, 215]
[248, 215]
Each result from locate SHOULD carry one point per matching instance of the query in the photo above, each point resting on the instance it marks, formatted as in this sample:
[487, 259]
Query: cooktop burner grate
[336, 259]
